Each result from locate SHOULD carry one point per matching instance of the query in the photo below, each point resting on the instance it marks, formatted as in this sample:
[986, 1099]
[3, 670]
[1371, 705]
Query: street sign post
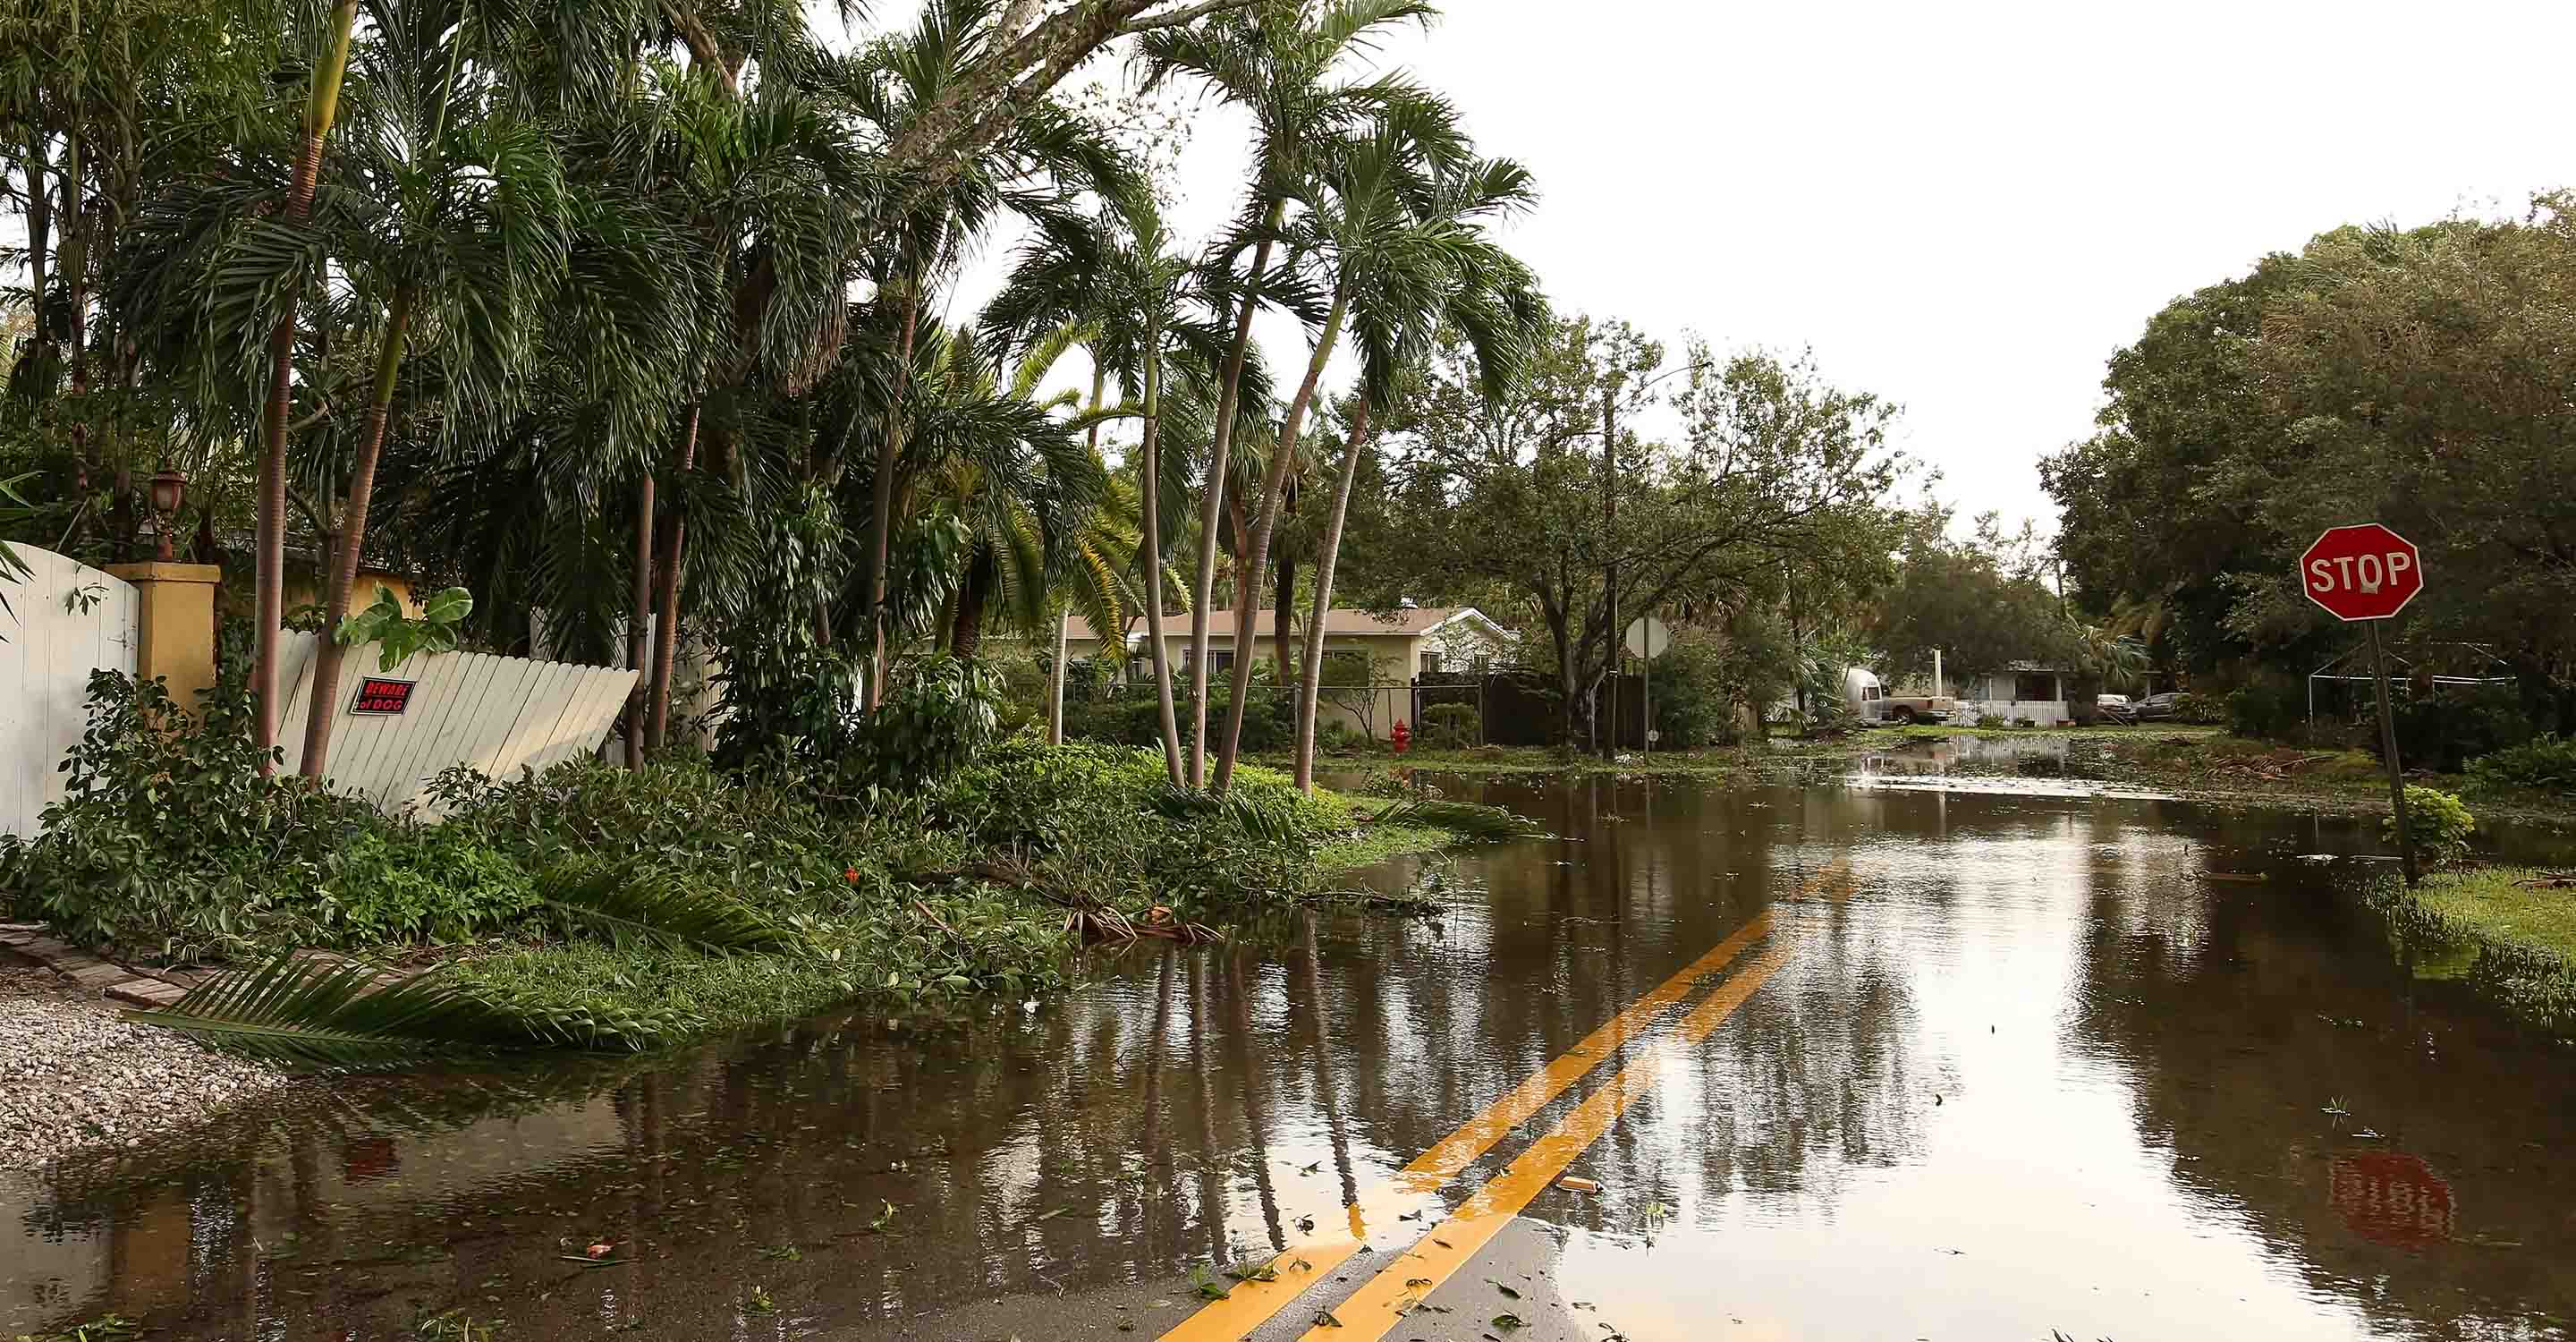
[1647, 637]
[2365, 574]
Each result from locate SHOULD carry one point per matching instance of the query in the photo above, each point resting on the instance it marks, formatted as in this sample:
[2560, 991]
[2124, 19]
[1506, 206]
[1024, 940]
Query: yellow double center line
[1252, 1303]
[1451, 1245]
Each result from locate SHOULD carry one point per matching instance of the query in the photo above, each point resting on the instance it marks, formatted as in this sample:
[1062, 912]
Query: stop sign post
[2365, 574]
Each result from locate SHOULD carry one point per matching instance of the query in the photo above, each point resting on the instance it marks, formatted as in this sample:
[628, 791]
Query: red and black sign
[2389, 1197]
[382, 696]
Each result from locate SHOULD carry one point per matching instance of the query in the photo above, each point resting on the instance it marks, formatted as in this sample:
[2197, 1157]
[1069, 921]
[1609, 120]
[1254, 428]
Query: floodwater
[1991, 1064]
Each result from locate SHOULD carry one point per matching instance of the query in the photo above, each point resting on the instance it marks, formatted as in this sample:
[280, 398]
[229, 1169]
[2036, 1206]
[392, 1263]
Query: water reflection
[2028, 1068]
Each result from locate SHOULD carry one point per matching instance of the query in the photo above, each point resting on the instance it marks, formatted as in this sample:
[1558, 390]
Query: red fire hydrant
[1403, 736]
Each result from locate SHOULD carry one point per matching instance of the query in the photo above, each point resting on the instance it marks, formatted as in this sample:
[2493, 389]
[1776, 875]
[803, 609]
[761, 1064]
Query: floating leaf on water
[1508, 1292]
[1509, 1323]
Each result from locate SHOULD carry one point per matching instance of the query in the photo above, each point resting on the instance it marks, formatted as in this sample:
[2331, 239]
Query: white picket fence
[496, 714]
[65, 618]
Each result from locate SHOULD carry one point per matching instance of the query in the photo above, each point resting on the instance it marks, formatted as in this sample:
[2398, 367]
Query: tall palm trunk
[639, 621]
[1064, 619]
[666, 621]
[881, 499]
[1284, 589]
[1212, 506]
[75, 265]
[322, 705]
[1149, 470]
[40, 225]
[966, 631]
[1055, 681]
[1310, 682]
[1273, 485]
[321, 109]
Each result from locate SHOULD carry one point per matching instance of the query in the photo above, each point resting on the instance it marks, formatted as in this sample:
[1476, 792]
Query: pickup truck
[1910, 708]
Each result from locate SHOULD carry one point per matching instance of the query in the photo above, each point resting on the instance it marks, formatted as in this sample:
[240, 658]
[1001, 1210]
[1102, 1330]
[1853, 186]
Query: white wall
[53, 644]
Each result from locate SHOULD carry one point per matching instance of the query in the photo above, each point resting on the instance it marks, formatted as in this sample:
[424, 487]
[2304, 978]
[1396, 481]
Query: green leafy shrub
[2200, 710]
[169, 843]
[2439, 823]
[2266, 710]
[440, 627]
[413, 882]
[1020, 685]
[2444, 730]
[1132, 717]
[1695, 687]
[2545, 763]
[1448, 726]
[936, 714]
[1103, 822]
[1336, 737]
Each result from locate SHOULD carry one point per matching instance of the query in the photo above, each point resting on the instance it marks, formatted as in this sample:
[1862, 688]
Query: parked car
[2157, 707]
[2115, 708]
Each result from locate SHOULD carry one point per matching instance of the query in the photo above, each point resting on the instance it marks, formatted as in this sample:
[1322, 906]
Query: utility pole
[1612, 631]
[1609, 736]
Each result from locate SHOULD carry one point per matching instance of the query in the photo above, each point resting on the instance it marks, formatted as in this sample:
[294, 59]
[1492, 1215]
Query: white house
[2032, 690]
[1400, 644]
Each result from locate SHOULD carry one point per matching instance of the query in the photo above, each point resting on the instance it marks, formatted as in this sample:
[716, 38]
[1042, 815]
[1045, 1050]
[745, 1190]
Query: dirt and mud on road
[1929, 1059]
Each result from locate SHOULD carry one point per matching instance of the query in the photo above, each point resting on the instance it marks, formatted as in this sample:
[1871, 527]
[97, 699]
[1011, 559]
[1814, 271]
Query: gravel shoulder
[74, 1077]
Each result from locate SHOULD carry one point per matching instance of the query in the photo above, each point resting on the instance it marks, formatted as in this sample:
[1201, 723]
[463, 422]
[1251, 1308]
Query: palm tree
[1356, 207]
[321, 111]
[457, 220]
[1025, 488]
[901, 87]
[1149, 318]
[1418, 260]
[1277, 64]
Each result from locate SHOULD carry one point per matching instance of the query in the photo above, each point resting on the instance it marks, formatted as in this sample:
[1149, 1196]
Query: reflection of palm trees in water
[1212, 1199]
[1252, 1075]
[1337, 1129]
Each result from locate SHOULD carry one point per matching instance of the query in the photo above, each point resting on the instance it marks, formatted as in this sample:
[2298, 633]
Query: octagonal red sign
[2363, 572]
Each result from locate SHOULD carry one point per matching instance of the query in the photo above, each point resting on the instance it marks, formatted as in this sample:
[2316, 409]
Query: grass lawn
[2492, 902]
[2514, 942]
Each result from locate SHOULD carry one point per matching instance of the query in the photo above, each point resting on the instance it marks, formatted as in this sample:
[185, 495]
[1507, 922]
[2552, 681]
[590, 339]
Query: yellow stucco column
[176, 613]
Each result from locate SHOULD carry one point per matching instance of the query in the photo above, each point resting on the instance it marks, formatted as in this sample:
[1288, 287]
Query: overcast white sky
[1967, 207]
[1963, 207]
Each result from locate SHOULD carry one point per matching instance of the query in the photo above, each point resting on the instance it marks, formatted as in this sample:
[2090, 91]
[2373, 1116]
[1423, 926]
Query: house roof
[1412, 621]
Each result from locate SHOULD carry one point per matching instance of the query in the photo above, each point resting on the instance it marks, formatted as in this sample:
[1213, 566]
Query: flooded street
[1906, 1060]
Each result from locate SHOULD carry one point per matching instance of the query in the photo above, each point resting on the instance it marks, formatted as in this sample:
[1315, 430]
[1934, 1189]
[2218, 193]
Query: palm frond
[1462, 818]
[330, 1014]
[655, 908]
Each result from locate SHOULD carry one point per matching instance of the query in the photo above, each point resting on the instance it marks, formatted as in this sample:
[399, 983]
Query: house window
[1431, 660]
[2034, 688]
[1220, 661]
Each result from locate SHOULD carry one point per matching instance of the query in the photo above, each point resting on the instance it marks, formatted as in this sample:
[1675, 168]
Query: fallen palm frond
[656, 908]
[1262, 817]
[1461, 817]
[331, 1014]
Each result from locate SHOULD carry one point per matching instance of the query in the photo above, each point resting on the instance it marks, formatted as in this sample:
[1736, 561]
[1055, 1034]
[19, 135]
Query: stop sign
[2364, 572]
